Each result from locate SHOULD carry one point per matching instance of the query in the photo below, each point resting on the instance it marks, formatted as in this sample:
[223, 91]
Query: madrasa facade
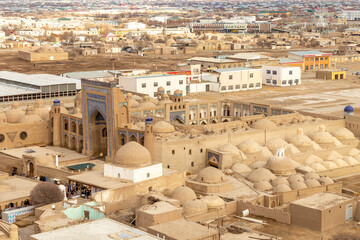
[184, 134]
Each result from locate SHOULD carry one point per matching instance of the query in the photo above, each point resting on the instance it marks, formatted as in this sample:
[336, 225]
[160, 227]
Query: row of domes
[31, 114]
[192, 206]
[251, 147]
[293, 182]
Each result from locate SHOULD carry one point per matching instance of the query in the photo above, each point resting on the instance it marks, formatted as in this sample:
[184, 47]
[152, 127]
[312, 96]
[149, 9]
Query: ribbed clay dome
[313, 159]
[132, 154]
[326, 180]
[354, 151]
[3, 117]
[183, 194]
[257, 164]
[260, 174]
[280, 165]
[14, 114]
[300, 140]
[41, 110]
[340, 163]
[262, 185]
[213, 201]
[312, 183]
[193, 207]
[275, 143]
[240, 168]
[30, 116]
[329, 165]
[163, 127]
[311, 175]
[210, 175]
[298, 185]
[318, 167]
[295, 178]
[282, 188]
[132, 102]
[322, 136]
[264, 124]
[343, 134]
[279, 180]
[250, 146]
[146, 104]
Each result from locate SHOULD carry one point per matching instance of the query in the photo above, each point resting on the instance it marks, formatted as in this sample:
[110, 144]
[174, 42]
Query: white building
[149, 84]
[351, 15]
[133, 162]
[2, 36]
[281, 76]
[134, 25]
[235, 79]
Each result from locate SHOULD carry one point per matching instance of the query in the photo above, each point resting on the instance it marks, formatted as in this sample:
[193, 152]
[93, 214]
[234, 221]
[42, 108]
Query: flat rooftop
[212, 60]
[182, 229]
[36, 80]
[96, 178]
[321, 201]
[233, 69]
[63, 153]
[9, 90]
[102, 229]
[310, 53]
[15, 187]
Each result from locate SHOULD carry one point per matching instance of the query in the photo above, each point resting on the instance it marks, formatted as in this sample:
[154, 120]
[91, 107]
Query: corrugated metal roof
[36, 81]
[304, 53]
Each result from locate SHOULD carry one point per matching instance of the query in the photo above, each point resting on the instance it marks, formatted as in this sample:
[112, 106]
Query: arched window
[104, 132]
[73, 127]
[80, 129]
[66, 125]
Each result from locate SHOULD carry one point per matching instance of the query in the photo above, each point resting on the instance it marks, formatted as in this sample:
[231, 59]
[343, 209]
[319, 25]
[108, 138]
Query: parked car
[344, 69]
[357, 73]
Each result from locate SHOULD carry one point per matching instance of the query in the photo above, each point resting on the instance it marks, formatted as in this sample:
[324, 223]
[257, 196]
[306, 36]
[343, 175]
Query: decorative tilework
[96, 96]
[123, 103]
[177, 115]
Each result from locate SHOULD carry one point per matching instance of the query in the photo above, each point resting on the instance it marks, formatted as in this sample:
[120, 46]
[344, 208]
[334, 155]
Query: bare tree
[46, 193]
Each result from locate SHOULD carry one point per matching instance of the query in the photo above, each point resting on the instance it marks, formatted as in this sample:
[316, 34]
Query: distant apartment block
[234, 79]
[212, 63]
[312, 60]
[281, 76]
[149, 84]
[351, 15]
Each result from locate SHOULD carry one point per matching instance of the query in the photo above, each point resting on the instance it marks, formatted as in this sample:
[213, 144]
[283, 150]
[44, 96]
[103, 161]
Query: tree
[46, 193]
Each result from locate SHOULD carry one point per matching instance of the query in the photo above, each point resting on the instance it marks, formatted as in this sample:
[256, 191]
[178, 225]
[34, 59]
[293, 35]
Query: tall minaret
[55, 123]
[149, 135]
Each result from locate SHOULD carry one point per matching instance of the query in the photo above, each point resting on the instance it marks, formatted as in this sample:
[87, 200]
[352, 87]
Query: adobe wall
[24, 55]
[305, 217]
[317, 219]
[335, 216]
[145, 220]
[338, 172]
[203, 188]
[230, 208]
[322, 153]
[7, 163]
[121, 194]
[353, 124]
[276, 214]
[14, 139]
[51, 172]
[290, 196]
[192, 151]
[36, 56]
